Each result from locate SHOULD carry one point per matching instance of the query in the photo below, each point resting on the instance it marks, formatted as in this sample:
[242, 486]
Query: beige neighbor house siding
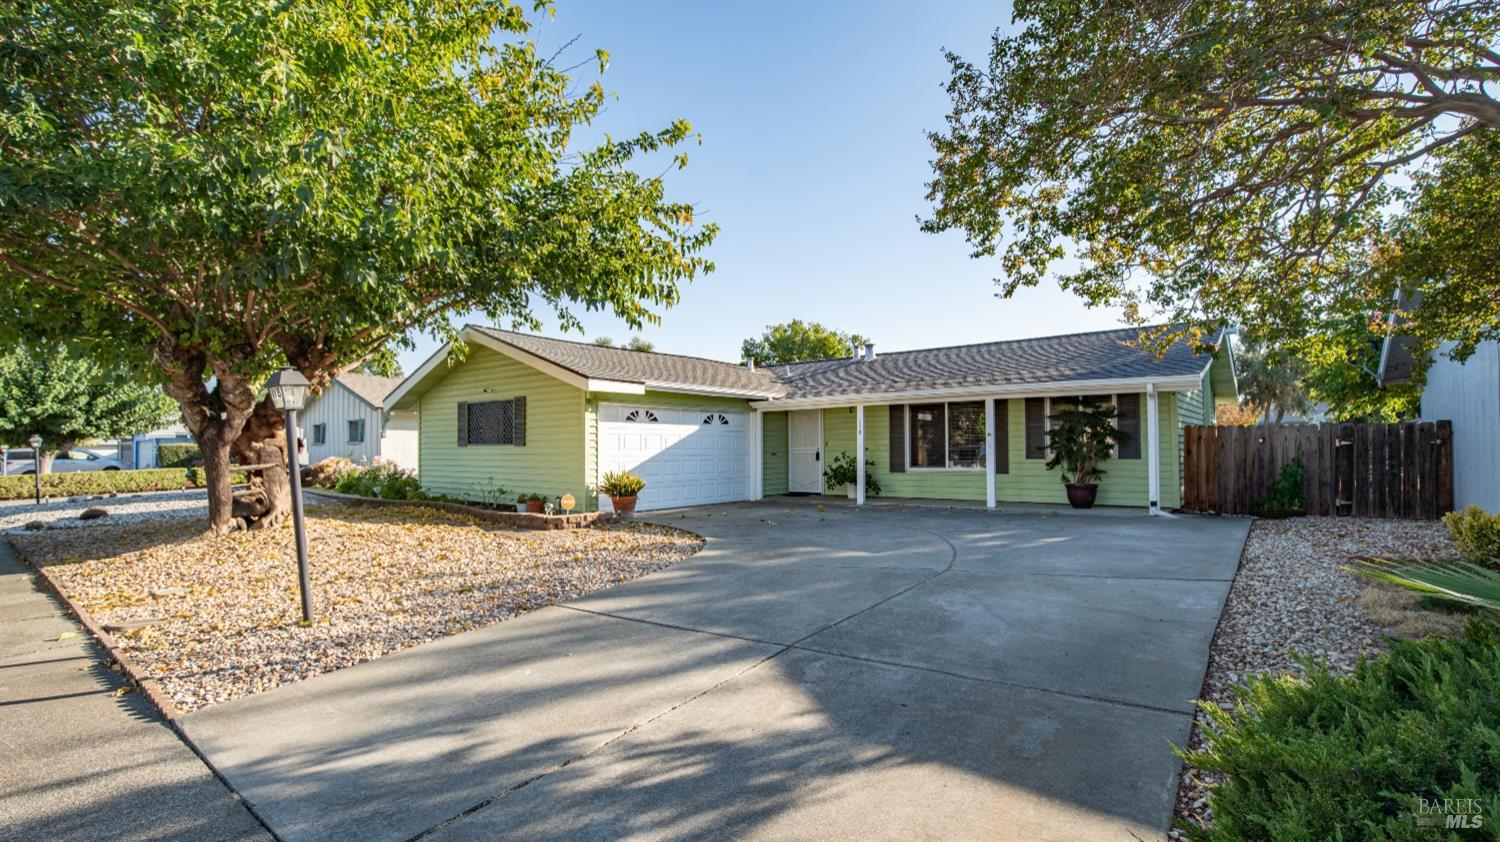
[335, 408]
[1028, 481]
[551, 462]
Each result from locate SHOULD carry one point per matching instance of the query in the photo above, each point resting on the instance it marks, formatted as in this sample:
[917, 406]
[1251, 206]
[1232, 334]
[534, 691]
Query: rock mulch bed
[125, 508]
[1290, 597]
[213, 619]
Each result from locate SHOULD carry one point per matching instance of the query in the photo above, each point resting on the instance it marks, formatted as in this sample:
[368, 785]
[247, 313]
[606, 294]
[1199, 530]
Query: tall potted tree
[1083, 436]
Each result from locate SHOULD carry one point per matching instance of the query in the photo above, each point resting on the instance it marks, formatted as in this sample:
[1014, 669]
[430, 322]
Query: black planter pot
[1082, 496]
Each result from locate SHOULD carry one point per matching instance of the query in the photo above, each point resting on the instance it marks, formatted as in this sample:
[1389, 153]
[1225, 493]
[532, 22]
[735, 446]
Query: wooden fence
[1364, 470]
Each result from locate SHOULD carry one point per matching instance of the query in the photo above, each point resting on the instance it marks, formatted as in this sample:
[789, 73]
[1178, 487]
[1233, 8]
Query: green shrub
[1352, 757]
[1476, 533]
[178, 455]
[1288, 497]
[77, 483]
[385, 480]
[842, 471]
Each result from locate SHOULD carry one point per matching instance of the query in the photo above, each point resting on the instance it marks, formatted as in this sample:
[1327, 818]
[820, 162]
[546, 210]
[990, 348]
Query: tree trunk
[44, 461]
[262, 441]
[216, 476]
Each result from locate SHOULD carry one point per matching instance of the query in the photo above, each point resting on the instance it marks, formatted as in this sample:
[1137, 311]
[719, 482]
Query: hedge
[178, 455]
[78, 483]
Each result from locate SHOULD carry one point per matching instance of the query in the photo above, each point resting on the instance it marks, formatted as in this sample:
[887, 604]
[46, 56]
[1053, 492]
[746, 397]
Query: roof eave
[1170, 383]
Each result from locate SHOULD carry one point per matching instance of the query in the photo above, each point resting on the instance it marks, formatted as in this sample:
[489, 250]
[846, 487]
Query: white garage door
[687, 457]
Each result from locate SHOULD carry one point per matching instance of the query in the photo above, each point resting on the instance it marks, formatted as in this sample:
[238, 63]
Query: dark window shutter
[1002, 436]
[463, 424]
[1036, 428]
[1129, 422]
[898, 439]
[519, 421]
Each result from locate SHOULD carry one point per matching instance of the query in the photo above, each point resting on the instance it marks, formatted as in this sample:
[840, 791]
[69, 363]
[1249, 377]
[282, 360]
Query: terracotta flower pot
[624, 506]
[534, 506]
[1082, 496]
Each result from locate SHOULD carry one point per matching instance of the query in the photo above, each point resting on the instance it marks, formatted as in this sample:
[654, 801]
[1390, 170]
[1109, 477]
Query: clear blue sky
[813, 163]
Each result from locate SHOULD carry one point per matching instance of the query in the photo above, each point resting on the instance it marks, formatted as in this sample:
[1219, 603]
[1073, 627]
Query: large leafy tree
[67, 398]
[215, 188]
[796, 341]
[1231, 160]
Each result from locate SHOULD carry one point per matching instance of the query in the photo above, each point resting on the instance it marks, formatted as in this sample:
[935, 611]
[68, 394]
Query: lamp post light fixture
[288, 391]
[36, 461]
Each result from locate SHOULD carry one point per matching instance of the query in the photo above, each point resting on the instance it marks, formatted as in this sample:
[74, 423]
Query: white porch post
[989, 453]
[1153, 466]
[758, 459]
[859, 454]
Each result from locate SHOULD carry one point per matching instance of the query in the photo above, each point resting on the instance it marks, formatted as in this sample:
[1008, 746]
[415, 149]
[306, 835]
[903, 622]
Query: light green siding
[773, 453]
[552, 461]
[1221, 378]
[1028, 481]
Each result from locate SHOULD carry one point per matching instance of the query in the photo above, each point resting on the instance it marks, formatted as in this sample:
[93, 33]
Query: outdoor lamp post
[288, 390]
[36, 460]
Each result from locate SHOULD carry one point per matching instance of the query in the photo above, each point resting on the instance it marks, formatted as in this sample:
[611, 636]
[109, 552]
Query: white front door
[687, 457]
[805, 450]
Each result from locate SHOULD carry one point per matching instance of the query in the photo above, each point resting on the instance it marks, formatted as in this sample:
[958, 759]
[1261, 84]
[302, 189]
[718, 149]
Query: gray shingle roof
[368, 386]
[649, 367]
[1102, 355]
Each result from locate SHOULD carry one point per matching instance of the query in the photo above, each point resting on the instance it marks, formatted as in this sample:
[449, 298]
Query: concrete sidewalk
[80, 762]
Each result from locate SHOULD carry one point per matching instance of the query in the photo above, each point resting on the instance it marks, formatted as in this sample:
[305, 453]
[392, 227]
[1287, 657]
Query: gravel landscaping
[123, 508]
[213, 619]
[1290, 597]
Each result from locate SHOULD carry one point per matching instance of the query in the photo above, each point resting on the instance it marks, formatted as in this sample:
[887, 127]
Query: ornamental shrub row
[178, 455]
[77, 483]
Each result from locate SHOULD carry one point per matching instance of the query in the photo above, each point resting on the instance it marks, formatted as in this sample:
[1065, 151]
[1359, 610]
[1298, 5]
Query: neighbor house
[529, 414]
[1466, 393]
[348, 420]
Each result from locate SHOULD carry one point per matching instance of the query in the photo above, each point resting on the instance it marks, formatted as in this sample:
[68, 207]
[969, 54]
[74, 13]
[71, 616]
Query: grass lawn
[218, 618]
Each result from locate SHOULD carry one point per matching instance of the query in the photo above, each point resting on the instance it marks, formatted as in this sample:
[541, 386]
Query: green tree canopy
[636, 343]
[1218, 161]
[67, 398]
[215, 188]
[796, 341]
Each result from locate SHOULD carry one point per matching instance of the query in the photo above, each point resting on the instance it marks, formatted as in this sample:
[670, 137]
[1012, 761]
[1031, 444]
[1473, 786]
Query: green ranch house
[969, 422]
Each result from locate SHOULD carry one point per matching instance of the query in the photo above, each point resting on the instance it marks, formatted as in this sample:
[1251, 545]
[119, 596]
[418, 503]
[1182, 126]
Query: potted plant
[843, 471]
[623, 488]
[1083, 436]
[532, 503]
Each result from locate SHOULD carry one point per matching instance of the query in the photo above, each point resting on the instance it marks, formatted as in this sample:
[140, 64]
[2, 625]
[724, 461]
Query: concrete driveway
[877, 673]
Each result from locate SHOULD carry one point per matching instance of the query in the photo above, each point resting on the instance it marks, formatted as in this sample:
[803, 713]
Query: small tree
[213, 190]
[66, 398]
[796, 341]
[1273, 380]
[638, 344]
[1083, 435]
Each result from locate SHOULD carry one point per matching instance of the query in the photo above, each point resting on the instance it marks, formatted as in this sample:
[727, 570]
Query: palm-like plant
[1083, 435]
[1460, 581]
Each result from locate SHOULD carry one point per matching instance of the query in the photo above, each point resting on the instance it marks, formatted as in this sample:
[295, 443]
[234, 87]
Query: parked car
[77, 459]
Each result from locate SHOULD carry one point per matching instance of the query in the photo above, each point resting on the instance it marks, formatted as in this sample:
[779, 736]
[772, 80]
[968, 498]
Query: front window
[966, 434]
[356, 431]
[929, 435]
[320, 433]
[947, 435]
